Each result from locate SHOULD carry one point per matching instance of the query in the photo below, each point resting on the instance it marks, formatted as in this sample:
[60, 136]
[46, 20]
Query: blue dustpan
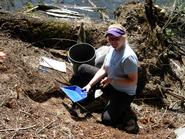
[75, 93]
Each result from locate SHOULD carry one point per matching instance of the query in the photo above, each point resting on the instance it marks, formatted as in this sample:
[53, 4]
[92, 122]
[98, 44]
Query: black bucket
[82, 53]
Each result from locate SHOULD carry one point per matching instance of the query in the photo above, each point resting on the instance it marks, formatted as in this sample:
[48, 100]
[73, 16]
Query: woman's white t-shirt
[119, 64]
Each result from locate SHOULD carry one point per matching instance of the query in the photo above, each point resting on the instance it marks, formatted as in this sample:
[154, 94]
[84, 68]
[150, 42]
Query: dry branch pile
[160, 52]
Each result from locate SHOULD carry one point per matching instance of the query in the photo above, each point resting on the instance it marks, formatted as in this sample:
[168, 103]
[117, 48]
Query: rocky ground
[32, 107]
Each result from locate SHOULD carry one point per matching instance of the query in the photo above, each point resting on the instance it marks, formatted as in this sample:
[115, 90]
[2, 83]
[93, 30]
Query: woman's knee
[87, 69]
[106, 118]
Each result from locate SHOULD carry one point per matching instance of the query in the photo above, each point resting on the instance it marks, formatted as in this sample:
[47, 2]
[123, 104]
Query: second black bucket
[82, 53]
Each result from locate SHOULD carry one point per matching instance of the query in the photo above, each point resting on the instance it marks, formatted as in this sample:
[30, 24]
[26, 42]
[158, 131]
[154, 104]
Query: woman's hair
[116, 29]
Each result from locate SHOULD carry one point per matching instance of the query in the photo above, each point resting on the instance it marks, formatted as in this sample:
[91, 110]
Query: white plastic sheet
[180, 132]
[53, 64]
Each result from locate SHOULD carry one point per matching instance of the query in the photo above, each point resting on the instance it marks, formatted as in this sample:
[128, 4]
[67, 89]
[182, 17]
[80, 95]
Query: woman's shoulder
[128, 51]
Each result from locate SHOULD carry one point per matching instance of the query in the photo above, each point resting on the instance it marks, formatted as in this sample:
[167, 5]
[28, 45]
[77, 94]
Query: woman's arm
[130, 80]
[2, 56]
[131, 72]
[97, 77]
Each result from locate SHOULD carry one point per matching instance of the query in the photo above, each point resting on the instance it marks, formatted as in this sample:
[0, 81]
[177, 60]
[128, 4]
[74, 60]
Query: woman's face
[116, 42]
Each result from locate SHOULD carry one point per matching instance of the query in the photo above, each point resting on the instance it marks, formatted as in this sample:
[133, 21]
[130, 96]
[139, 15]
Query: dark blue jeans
[118, 107]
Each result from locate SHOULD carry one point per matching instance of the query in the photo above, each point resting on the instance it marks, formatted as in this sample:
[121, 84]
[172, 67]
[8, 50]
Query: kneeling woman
[117, 77]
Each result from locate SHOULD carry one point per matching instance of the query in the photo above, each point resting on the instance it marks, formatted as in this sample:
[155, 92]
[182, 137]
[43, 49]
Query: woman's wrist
[89, 84]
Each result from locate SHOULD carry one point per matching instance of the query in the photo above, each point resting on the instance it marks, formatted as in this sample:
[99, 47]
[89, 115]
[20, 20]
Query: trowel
[98, 93]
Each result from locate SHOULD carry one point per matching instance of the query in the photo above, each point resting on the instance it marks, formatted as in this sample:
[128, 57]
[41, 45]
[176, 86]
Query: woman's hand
[105, 81]
[87, 88]
[2, 56]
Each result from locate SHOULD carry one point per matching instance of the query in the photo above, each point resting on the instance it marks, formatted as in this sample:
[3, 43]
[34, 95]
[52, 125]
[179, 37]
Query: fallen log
[65, 12]
[170, 92]
[42, 29]
[85, 8]
[34, 29]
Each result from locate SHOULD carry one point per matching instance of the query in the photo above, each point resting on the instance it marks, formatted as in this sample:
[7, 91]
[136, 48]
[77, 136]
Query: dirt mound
[160, 57]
